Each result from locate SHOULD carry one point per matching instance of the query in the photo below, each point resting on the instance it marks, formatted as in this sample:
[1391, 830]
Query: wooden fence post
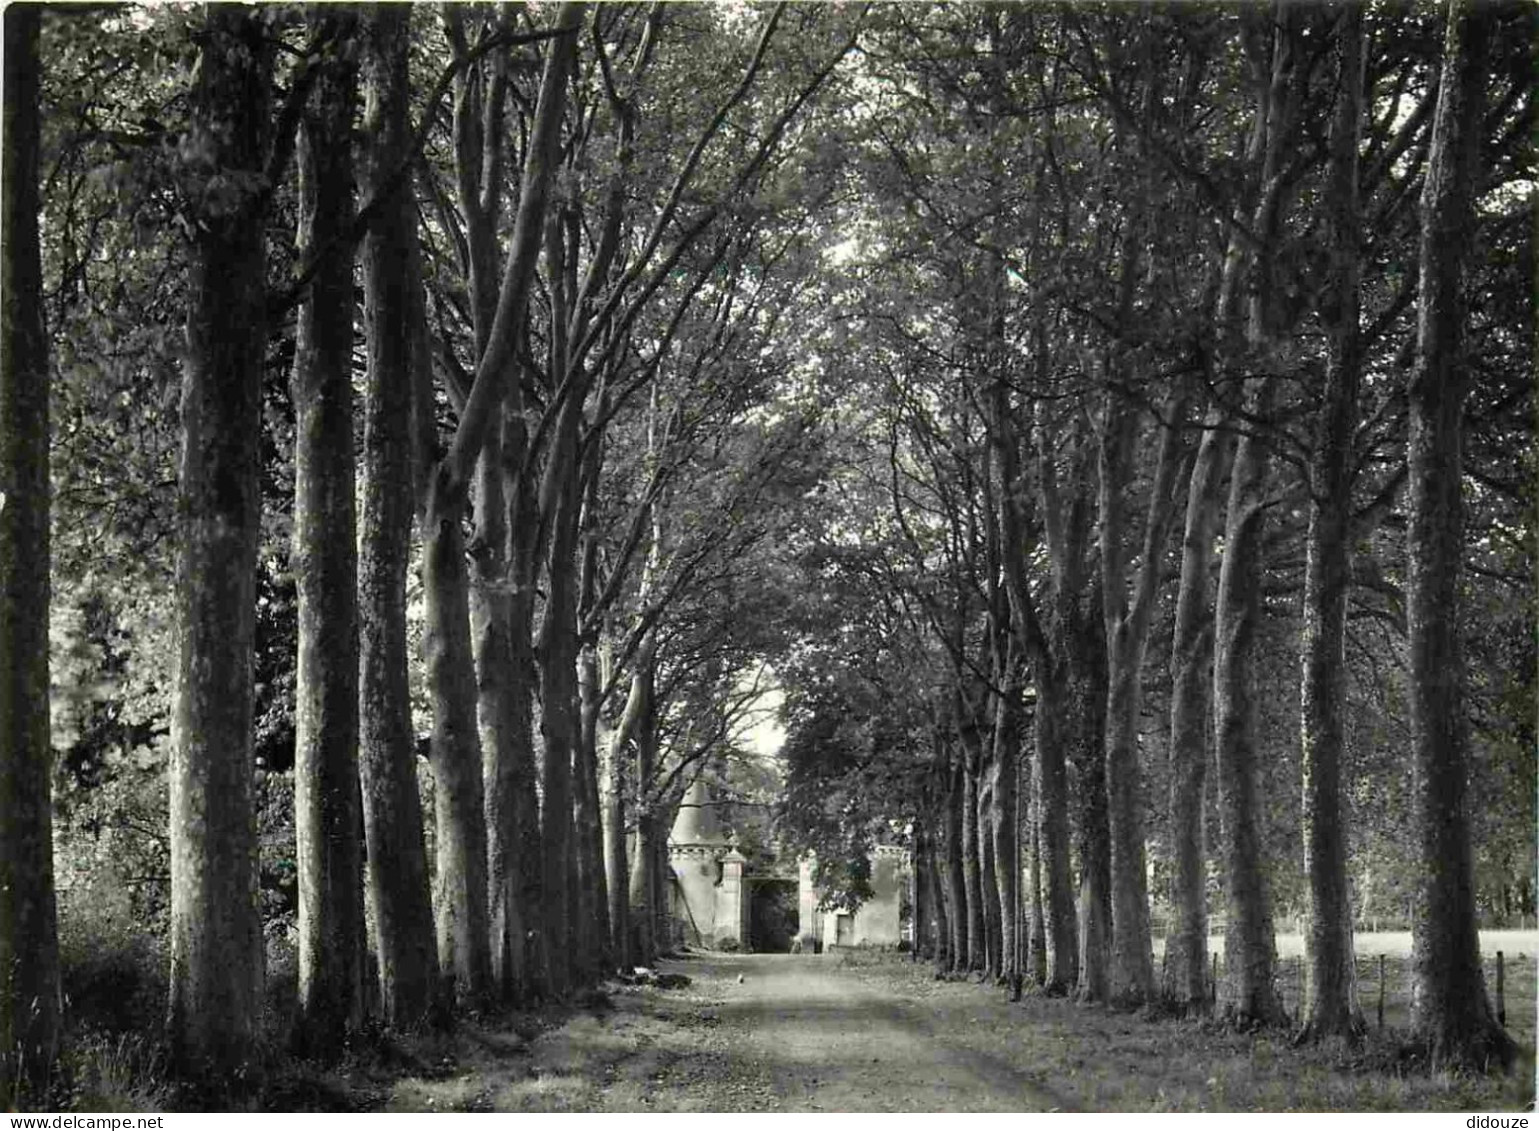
[1501, 991]
[1381, 991]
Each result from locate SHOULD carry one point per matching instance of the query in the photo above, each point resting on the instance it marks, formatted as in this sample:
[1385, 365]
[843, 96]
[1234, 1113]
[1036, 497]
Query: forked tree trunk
[397, 876]
[1186, 959]
[1127, 618]
[507, 748]
[1193, 635]
[1248, 993]
[30, 1005]
[328, 817]
[482, 414]
[1451, 1013]
[216, 929]
[1049, 675]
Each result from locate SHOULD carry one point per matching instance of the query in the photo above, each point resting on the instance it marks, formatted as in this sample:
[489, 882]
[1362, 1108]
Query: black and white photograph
[719, 556]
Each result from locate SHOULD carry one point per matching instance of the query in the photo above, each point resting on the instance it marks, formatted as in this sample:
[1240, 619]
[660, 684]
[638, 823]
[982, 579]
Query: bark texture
[1127, 620]
[400, 906]
[327, 802]
[1250, 950]
[499, 619]
[1332, 975]
[972, 873]
[559, 718]
[1005, 821]
[30, 1006]
[1452, 1014]
[459, 800]
[1191, 667]
[954, 883]
[1249, 943]
[216, 929]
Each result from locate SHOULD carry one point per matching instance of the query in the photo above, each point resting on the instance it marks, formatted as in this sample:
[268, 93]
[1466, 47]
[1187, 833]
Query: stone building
[876, 922]
[716, 901]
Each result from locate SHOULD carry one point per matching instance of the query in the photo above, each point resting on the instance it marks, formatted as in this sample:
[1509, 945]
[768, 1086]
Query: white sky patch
[763, 733]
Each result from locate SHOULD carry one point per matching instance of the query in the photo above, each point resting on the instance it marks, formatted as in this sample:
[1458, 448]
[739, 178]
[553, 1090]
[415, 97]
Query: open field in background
[1520, 951]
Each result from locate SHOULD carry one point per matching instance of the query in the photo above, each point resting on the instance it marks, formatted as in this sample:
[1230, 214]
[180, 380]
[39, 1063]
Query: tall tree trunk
[1049, 675]
[480, 96]
[459, 798]
[593, 919]
[1004, 831]
[939, 908]
[972, 890]
[1127, 631]
[526, 835]
[955, 883]
[616, 862]
[1451, 1012]
[1249, 944]
[593, 906]
[557, 652]
[643, 885]
[1192, 662]
[1049, 783]
[397, 877]
[1191, 677]
[920, 915]
[1193, 637]
[1036, 929]
[1328, 573]
[1084, 643]
[635, 724]
[30, 1006]
[482, 413]
[216, 929]
[328, 818]
[989, 878]
[507, 748]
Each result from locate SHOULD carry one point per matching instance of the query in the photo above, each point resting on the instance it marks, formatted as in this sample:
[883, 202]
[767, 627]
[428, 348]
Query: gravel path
[835, 1042]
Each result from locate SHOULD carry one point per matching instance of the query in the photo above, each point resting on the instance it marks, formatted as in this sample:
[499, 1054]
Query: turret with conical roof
[697, 822]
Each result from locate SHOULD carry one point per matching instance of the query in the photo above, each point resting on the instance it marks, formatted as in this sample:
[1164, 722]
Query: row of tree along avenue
[424, 430]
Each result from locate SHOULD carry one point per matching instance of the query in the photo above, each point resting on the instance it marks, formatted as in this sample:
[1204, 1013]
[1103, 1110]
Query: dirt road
[832, 1041]
[749, 1033]
[868, 1033]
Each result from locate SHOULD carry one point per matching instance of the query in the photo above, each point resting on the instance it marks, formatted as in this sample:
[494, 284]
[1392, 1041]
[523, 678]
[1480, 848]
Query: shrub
[729, 944]
[113, 973]
[112, 1072]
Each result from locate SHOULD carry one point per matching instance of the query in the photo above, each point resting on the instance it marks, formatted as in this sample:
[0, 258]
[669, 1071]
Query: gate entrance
[772, 914]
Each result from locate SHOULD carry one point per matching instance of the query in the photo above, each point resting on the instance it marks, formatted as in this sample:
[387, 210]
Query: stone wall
[877, 922]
